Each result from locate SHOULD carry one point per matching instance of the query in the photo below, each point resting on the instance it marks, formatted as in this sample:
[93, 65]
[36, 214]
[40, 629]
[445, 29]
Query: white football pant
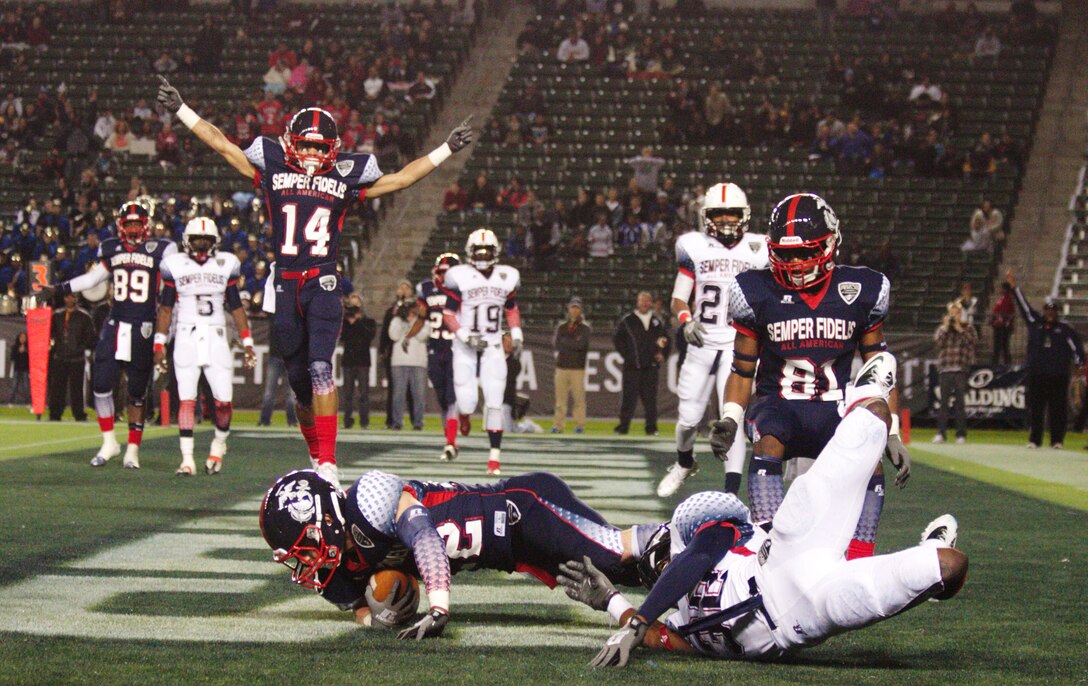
[487, 371]
[201, 348]
[693, 389]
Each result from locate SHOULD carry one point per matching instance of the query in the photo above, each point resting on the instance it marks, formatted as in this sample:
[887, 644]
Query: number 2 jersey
[808, 340]
[714, 267]
[307, 211]
[202, 292]
[479, 300]
[134, 277]
[434, 300]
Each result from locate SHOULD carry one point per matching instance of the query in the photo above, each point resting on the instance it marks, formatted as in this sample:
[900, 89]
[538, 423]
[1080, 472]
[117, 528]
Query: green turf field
[114, 576]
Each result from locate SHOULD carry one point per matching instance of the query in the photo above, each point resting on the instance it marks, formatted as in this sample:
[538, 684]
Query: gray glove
[585, 583]
[477, 343]
[897, 454]
[722, 434]
[617, 650]
[516, 344]
[168, 96]
[430, 626]
[461, 136]
[391, 612]
[693, 332]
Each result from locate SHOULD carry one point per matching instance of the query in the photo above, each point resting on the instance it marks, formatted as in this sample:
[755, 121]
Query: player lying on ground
[745, 594]
[309, 185]
[334, 541]
[198, 285]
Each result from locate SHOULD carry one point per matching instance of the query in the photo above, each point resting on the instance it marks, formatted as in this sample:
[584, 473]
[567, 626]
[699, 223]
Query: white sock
[187, 448]
[494, 455]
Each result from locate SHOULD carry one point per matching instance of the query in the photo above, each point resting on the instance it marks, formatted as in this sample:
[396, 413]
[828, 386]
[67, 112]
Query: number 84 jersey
[713, 267]
[479, 300]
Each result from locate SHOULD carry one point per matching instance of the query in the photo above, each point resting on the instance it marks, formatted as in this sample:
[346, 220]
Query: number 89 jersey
[307, 211]
[479, 300]
[134, 276]
[713, 267]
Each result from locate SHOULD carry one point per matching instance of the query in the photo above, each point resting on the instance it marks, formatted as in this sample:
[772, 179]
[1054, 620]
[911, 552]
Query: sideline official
[642, 341]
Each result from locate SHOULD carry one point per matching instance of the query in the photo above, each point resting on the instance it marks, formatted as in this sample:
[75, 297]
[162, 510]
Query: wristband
[160, 339]
[733, 411]
[894, 430]
[188, 116]
[617, 605]
[158, 347]
[515, 333]
[684, 316]
[439, 600]
[440, 154]
[247, 338]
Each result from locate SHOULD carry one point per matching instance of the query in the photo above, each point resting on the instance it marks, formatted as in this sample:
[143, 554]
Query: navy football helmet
[133, 224]
[311, 141]
[657, 554]
[802, 239]
[442, 263]
[301, 520]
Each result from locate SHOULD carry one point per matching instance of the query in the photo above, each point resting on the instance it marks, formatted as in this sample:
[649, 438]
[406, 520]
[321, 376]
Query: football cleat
[212, 465]
[875, 379]
[493, 468]
[944, 529]
[187, 468]
[132, 457]
[105, 453]
[466, 424]
[674, 478]
[329, 472]
[449, 453]
[938, 438]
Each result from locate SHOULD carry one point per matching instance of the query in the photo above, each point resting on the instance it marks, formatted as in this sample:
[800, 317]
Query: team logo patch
[502, 275]
[220, 261]
[327, 283]
[344, 168]
[296, 498]
[151, 245]
[500, 524]
[764, 552]
[754, 245]
[361, 539]
[146, 329]
[513, 514]
[849, 291]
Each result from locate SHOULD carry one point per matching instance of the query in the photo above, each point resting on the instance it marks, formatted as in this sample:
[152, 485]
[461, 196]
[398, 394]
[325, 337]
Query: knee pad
[223, 413]
[321, 377]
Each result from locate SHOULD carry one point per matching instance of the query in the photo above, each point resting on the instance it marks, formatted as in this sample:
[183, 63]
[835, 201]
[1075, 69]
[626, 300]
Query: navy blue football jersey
[808, 340]
[134, 276]
[307, 212]
[433, 299]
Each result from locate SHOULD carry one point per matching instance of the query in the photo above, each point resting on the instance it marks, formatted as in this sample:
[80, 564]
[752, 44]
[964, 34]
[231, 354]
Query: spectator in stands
[582, 214]
[980, 163]
[374, 87]
[103, 126]
[455, 199]
[356, 336]
[514, 135]
[20, 370]
[987, 229]
[956, 345]
[968, 303]
[599, 237]
[642, 340]
[482, 195]
[1002, 319]
[300, 76]
[73, 335]
[516, 248]
[421, 89]
[1007, 152]
[513, 196]
[37, 35]
[988, 44]
[646, 167]
[529, 102]
[539, 130]
[167, 147]
[854, 150]
[277, 78]
[165, 64]
[630, 232]
[208, 47]
[574, 48]
[718, 112]
[1054, 348]
[408, 365]
[931, 157]
[283, 54]
[571, 347]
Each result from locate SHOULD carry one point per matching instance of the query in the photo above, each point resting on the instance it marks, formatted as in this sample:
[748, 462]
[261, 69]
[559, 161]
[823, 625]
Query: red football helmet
[311, 141]
[442, 263]
[133, 224]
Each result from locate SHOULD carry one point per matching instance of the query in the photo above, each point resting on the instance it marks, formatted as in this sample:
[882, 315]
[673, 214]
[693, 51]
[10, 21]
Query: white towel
[124, 342]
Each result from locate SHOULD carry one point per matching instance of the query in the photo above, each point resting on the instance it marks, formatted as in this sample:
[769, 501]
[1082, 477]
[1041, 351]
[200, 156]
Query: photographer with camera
[408, 359]
[957, 342]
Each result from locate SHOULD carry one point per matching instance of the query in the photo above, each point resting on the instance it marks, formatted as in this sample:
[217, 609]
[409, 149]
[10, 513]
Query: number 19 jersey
[713, 267]
[479, 300]
[307, 211]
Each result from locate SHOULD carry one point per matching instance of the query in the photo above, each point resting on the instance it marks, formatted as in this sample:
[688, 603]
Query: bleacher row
[1071, 283]
[598, 122]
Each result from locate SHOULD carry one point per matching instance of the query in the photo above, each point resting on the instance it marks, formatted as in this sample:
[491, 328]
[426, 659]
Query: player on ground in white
[743, 594]
[199, 285]
[478, 294]
[707, 261]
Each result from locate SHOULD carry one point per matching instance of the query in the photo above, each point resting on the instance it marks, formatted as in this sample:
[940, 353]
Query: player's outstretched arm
[169, 98]
[415, 170]
[416, 530]
[738, 391]
[162, 326]
[872, 343]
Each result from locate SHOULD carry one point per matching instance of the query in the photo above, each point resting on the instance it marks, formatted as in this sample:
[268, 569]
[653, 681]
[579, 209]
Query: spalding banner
[993, 393]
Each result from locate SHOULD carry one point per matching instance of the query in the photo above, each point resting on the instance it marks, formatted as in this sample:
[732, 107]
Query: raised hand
[461, 136]
[168, 96]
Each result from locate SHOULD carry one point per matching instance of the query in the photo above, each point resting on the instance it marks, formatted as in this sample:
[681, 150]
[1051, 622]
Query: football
[379, 589]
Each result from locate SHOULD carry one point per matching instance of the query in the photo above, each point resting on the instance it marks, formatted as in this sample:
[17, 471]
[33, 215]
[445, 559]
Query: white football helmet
[201, 237]
[729, 200]
[482, 249]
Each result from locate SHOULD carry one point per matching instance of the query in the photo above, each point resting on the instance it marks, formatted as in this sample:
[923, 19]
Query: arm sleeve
[416, 530]
[685, 570]
[97, 275]
[169, 294]
[255, 152]
[879, 310]
[234, 298]
[371, 172]
[741, 314]
[377, 495]
[1030, 316]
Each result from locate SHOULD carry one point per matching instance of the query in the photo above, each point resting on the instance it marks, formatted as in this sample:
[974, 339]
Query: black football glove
[617, 650]
[722, 434]
[168, 96]
[897, 454]
[583, 582]
[430, 626]
[461, 136]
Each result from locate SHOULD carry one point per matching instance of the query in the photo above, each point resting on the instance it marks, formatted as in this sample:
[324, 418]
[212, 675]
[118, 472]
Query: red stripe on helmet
[725, 187]
[791, 213]
[317, 115]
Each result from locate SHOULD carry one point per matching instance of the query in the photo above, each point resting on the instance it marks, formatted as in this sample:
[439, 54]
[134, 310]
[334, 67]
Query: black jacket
[72, 341]
[638, 345]
[357, 338]
[1052, 348]
[572, 344]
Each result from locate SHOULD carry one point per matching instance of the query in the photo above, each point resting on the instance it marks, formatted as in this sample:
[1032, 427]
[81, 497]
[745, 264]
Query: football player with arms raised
[335, 541]
[199, 285]
[744, 594]
[432, 303]
[803, 320]
[309, 184]
[479, 292]
[131, 263]
[707, 263]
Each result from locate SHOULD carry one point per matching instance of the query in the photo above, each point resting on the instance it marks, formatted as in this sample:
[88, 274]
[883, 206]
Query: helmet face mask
[657, 554]
[301, 521]
[133, 224]
[725, 213]
[311, 141]
[200, 239]
[482, 249]
[802, 241]
[442, 264]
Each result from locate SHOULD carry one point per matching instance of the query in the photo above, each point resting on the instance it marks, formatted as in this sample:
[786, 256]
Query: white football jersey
[201, 288]
[482, 298]
[713, 267]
